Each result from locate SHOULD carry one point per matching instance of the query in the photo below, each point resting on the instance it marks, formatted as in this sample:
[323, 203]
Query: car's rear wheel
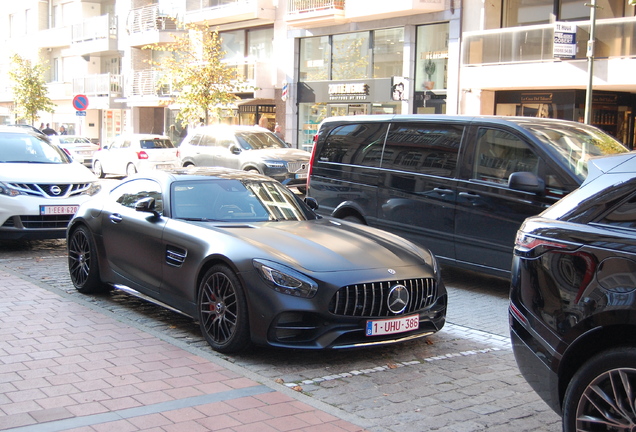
[223, 310]
[602, 393]
[82, 262]
[131, 169]
[97, 169]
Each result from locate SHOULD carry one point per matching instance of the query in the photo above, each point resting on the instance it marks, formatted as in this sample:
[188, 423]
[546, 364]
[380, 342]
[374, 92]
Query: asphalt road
[464, 378]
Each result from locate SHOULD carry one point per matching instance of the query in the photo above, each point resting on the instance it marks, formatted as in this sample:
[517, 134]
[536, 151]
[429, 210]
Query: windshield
[575, 145]
[259, 140]
[228, 200]
[26, 148]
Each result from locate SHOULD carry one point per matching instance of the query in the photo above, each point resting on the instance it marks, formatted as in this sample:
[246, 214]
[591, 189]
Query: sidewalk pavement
[65, 366]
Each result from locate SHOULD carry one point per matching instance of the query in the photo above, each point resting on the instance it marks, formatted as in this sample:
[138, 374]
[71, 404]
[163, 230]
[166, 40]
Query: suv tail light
[531, 247]
[142, 155]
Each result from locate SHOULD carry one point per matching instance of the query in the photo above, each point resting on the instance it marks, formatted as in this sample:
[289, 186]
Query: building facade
[305, 60]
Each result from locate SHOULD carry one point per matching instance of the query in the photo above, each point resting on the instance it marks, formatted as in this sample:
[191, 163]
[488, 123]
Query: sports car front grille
[370, 299]
[50, 190]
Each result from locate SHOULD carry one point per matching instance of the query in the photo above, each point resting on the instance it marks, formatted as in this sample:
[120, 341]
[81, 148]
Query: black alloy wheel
[82, 262]
[223, 311]
[602, 394]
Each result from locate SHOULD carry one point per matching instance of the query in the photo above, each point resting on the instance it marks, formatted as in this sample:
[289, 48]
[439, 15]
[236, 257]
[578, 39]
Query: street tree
[30, 93]
[192, 65]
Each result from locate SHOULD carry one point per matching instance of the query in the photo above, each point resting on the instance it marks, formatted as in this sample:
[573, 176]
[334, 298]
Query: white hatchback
[129, 154]
[41, 187]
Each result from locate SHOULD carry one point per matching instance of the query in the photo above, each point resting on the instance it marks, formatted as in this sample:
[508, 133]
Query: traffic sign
[80, 113]
[80, 102]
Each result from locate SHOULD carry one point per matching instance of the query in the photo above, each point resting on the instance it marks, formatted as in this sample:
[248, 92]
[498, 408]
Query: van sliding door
[417, 190]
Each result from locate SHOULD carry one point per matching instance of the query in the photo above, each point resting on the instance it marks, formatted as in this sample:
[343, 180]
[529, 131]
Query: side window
[207, 140]
[125, 144]
[499, 154]
[195, 140]
[356, 144]
[130, 192]
[423, 148]
[623, 216]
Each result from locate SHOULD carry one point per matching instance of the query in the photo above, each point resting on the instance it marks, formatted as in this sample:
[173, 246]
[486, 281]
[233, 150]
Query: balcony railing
[614, 38]
[110, 85]
[147, 83]
[96, 28]
[151, 18]
[299, 6]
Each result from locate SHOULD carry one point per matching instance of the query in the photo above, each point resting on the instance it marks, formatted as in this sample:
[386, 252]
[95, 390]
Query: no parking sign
[80, 102]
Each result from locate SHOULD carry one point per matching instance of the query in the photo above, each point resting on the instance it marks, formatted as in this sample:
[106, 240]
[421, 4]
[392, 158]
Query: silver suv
[249, 148]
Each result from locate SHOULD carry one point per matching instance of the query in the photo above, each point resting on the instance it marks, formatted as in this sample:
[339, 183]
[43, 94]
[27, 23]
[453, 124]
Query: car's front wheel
[98, 169]
[82, 262]
[602, 393]
[223, 310]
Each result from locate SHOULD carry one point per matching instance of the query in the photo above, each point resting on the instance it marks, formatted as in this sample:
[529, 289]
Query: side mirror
[526, 182]
[234, 149]
[312, 203]
[147, 205]
[105, 147]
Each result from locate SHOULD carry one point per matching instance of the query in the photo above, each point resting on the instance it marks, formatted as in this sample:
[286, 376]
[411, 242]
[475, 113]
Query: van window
[423, 148]
[500, 154]
[356, 144]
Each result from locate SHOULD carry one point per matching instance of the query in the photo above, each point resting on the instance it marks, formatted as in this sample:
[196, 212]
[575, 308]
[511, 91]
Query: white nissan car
[41, 187]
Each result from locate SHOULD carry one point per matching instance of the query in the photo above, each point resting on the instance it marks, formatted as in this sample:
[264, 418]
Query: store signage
[536, 97]
[564, 40]
[352, 91]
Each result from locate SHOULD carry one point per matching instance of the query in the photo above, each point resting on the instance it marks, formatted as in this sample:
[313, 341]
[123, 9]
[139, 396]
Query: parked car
[26, 126]
[129, 154]
[243, 255]
[249, 148]
[78, 147]
[40, 186]
[573, 300]
[459, 185]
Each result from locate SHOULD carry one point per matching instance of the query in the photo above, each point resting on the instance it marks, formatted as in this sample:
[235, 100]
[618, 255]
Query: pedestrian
[41, 127]
[48, 131]
[62, 130]
[278, 131]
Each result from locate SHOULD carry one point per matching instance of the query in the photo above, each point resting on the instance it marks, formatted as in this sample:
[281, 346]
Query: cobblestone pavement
[463, 378]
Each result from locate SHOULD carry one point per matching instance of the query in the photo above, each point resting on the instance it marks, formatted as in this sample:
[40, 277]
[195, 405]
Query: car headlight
[94, 189]
[7, 190]
[274, 164]
[285, 280]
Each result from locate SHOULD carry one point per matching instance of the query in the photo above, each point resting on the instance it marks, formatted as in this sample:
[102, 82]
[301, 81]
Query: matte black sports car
[573, 300]
[250, 261]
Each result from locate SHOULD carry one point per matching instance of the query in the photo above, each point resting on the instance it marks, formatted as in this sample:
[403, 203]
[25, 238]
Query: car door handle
[443, 191]
[469, 195]
[116, 218]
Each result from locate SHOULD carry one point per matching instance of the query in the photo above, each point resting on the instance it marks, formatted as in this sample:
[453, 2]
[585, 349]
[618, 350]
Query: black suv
[461, 186]
[573, 300]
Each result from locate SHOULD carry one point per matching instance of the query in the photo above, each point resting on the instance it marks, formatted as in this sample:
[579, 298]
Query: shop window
[431, 63]
[315, 54]
[388, 52]
[350, 56]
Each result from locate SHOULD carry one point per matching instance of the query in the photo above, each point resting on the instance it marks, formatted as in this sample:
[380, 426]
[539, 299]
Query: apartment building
[305, 60]
[530, 57]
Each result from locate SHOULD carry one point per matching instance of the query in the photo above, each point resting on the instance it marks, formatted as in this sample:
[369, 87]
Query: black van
[458, 185]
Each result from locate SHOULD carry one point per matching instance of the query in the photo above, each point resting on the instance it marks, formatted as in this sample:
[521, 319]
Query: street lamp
[590, 62]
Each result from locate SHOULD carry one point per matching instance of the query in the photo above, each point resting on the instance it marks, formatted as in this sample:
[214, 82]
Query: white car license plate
[393, 325]
[301, 176]
[165, 166]
[58, 210]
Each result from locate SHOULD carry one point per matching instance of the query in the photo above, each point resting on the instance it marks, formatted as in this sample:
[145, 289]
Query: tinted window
[423, 148]
[130, 192]
[259, 140]
[155, 143]
[358, 144]
[622, 216]
[500, 154]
